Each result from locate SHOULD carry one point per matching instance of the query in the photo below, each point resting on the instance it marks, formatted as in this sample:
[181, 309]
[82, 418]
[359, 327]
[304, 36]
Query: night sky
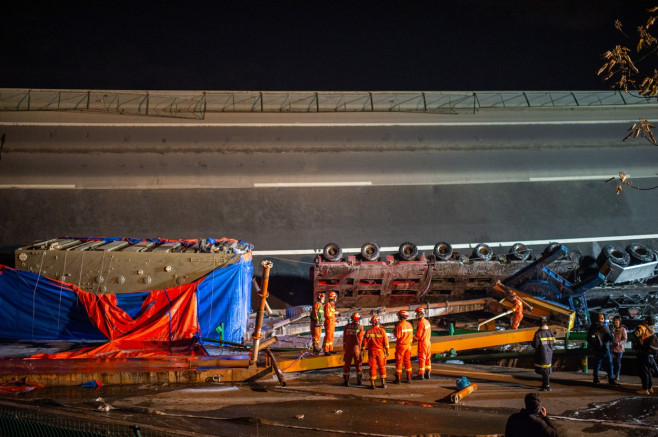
[309, 45]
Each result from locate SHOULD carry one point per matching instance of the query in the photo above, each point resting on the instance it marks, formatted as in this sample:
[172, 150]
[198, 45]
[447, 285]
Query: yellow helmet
[332, 295]
[420, 311]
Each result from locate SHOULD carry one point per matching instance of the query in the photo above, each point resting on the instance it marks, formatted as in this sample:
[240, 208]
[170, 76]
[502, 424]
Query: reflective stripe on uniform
[547, 338]
[543, 366]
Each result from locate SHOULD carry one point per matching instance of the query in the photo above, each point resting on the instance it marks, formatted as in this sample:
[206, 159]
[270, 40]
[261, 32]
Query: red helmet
[374, 320]
[332, 295]
[512, 294]
[420, 311]
[320, 295]
[403, 314]
[356, 317]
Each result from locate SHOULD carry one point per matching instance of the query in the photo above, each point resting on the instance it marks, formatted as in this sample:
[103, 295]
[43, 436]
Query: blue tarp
[34, 307]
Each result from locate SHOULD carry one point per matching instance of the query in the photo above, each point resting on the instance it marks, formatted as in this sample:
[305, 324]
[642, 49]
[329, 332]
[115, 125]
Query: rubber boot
[408, 378]
[383, 383]
[346, 380]
[397, 379]
[358, 380]
[372, 384]
[427, 374]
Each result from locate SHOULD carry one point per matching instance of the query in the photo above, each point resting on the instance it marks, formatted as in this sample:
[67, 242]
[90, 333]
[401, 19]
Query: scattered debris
[21, 385]
[92, 384]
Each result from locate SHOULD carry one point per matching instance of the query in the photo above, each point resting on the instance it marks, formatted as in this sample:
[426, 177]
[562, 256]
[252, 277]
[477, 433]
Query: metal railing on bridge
[195, 104]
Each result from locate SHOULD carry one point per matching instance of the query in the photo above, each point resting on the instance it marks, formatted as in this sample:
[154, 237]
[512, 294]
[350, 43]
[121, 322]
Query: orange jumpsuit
[329, 325]
[404, 335]
[423, 337]
[352, 339]
[317, 320]
[376, 342]
[518, 312]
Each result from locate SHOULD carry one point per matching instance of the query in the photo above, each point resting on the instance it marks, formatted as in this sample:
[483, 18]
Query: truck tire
[614, 254]
[408, 251]
[442, 251]
[640, 253]
[482, 252]
[576, 256]
[370, 251]
[332, 252]
[550, 248]
[519, 251]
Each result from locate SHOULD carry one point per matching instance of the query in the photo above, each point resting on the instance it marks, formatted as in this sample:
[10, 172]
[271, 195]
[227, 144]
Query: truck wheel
[482, 252]
[332, 252]
[370, 251]
[550, 248]
[408, 251]
[575, 256]
[442, 251]
[520, 252]
[640, 253]
[614, 254]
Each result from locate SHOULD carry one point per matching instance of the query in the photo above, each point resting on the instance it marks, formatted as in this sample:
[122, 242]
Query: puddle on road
[635, 410]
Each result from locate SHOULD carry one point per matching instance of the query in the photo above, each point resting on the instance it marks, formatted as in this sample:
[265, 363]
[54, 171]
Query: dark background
[430, 46]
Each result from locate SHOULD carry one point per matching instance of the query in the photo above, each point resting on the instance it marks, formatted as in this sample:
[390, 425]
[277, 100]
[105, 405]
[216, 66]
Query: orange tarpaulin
[167, 324]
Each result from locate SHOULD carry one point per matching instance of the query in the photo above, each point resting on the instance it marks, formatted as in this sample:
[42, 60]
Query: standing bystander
[598, 340]
[645, 344]
[618, 347]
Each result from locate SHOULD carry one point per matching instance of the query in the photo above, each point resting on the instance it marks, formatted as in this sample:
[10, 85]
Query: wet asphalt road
[316, 404]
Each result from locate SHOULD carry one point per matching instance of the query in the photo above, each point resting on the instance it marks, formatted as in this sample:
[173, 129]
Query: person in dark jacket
[645, 344]
[531, 421]
[599, 338]
[544, 342]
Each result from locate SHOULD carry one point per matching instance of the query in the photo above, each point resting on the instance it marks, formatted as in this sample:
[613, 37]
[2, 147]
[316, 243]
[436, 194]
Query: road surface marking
[571, 178]
[493, 244]
[311, 184]
[327, 184]
[38, 186]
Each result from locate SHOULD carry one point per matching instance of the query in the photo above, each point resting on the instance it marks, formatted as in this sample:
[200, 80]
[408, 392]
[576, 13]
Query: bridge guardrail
[195, 104]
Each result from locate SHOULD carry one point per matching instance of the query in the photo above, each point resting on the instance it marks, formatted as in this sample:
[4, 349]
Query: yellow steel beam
[540, 307]
[439, 345]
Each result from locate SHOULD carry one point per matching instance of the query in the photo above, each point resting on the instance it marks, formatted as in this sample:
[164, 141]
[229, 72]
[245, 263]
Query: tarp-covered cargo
[156, 322]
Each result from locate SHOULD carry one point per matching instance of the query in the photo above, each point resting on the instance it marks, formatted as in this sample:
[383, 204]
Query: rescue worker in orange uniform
[517, 316]
[329, 324]
[317, 320]
[423, 337]
[352, 341]
[404, 336]
[376, 343]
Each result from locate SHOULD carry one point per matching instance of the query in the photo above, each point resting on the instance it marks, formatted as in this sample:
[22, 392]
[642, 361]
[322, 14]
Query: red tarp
[166, 325]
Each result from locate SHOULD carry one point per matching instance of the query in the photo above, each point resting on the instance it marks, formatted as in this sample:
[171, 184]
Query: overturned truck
[370, 280]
